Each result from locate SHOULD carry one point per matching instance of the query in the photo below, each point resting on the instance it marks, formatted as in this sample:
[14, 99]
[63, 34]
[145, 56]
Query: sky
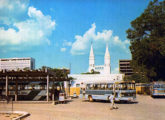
[58, 33]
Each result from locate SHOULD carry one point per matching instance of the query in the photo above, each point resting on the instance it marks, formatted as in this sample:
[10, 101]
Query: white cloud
[33, 31]
[13, 10]
[67, 43]
[127, 42]
[118, 42]
[63, 49]
[82, 43]
[115, 70]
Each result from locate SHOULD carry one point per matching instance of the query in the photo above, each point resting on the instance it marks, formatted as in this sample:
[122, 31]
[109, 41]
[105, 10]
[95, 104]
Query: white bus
[125, 91]
[158, 89]
[81, 80]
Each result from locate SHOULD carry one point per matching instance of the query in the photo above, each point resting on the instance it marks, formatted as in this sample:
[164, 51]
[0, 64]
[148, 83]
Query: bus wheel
[90, 98]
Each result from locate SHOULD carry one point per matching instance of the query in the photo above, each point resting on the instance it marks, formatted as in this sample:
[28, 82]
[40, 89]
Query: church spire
[91, 51]
[107, 69]
[91, 59]
[107, 55]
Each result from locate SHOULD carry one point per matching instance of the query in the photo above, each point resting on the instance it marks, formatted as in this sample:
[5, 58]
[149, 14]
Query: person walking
[112, 100]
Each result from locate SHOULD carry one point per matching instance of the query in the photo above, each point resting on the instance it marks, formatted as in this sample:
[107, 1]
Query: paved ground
[147, 108]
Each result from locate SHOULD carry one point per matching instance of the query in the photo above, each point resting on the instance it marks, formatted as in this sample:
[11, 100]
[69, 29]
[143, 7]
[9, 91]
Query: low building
[125, 67]
[17, 63]
[33, 85]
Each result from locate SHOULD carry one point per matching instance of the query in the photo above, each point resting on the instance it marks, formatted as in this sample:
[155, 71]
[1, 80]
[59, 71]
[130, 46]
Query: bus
[125, 91]
[158, 89]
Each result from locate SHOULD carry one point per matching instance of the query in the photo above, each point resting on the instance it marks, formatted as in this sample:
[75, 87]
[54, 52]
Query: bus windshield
[159, 86]
[126, 86]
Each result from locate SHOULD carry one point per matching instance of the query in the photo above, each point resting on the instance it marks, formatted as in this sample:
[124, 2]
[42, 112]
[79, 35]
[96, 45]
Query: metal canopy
[31, 75]
[22, 77]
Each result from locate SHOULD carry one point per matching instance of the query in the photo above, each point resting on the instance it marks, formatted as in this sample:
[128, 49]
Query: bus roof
[159, 82]
[124, 82]
[118, 82]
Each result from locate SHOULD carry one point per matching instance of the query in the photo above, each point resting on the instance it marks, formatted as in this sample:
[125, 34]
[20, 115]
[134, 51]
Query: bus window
[125, 86]
[133, 86]
[92, 86]
[96, 86]
[118, 86]
[129, 87]
[77, 85]
[110, 86]
[102, 86]
[88, 86]
[163, 86]
[157, 86]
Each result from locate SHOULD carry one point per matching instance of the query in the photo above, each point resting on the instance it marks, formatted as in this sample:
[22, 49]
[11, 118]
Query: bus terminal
[30, 85]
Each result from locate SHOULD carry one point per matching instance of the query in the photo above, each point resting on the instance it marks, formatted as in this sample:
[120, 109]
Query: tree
[92, 72]
[59, 72]
[26, 69]
[137, 77]
[147, 38]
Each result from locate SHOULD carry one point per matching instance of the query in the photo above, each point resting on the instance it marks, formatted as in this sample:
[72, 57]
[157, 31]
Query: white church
[105, 76]
[103, 69]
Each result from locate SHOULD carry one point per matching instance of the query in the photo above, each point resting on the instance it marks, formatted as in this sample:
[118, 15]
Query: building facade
[125, 67]
[103, 69]
[17, 63]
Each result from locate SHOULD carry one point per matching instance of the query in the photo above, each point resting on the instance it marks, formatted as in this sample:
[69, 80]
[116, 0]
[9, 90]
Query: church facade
[102, 69]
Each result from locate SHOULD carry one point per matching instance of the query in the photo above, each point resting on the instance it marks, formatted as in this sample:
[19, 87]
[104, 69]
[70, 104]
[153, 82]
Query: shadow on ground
[120, 102]
[158, 97]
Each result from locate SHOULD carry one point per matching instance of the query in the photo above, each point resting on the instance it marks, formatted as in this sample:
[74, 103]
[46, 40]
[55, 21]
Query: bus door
[126, 91]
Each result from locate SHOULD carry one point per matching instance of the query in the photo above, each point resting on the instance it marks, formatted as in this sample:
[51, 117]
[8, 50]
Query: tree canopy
[92, 72]
[147, 39]
[59, 72]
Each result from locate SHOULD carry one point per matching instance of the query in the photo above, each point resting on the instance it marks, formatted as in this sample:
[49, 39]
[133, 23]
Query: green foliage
[59, 72]
[26, 69]
[137, 77]
[147, 38]
[92, 72]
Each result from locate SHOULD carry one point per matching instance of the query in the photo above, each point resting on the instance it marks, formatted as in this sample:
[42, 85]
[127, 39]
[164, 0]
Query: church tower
[107, 69]
[91, 59]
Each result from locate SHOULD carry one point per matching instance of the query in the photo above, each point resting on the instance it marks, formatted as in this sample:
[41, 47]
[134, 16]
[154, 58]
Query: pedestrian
[112, 100]
[83, 92]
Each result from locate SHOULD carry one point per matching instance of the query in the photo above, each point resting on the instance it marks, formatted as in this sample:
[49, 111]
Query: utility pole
[69, 80]
[70, 67]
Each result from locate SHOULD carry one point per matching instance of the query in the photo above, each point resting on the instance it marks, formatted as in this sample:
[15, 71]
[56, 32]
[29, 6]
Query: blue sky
[59, 32]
